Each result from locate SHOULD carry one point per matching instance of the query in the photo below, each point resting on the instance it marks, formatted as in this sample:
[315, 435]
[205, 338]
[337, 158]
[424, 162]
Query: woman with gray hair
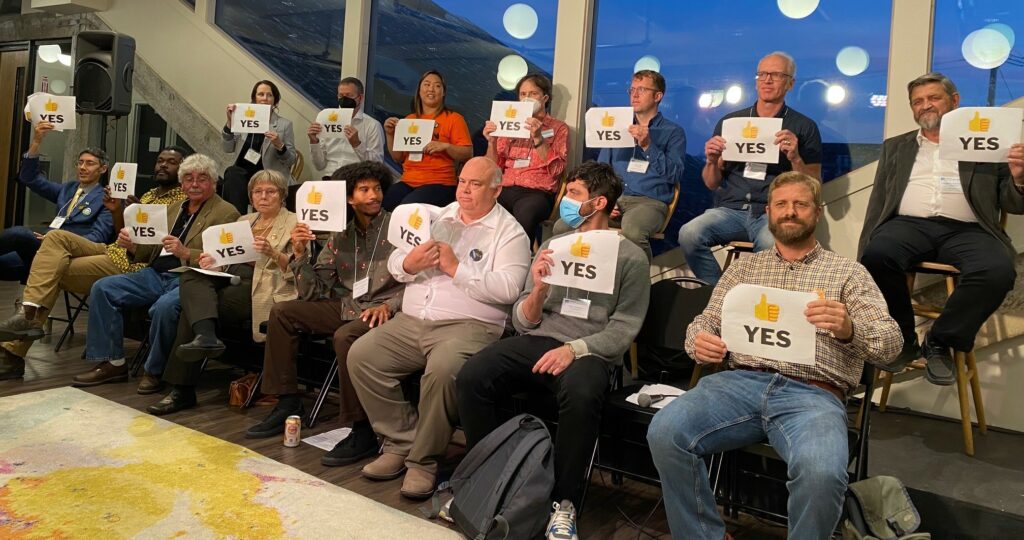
[209, 301]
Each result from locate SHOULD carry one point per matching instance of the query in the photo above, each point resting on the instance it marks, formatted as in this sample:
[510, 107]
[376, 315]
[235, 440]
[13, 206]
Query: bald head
[479, 186]
[483, 169]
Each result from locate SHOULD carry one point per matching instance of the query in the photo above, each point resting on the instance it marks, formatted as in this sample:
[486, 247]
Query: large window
[975, 44]
[481, 48]
[299, 39]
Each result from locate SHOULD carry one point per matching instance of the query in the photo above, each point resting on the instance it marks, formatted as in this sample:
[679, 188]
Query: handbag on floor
[239, 389]
[879, 508]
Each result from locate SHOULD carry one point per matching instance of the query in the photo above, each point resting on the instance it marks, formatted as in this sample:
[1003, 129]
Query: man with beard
[348, 291]
[924, 208]
[800, 409]
[71, 262]
[363, 140]
[155, 286]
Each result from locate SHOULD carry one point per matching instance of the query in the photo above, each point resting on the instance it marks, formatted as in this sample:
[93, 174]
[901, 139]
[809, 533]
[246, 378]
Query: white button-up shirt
[330, 154]
[494, 258]
[934, 189]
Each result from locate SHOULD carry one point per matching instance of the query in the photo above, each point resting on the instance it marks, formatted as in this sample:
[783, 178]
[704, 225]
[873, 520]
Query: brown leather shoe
[418, 484]
[11, 366]
[150, 384]
[386, 467]
[104, 372]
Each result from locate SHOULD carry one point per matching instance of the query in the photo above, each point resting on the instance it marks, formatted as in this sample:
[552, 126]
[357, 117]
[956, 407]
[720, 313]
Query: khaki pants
[65, 261]
[380, 359]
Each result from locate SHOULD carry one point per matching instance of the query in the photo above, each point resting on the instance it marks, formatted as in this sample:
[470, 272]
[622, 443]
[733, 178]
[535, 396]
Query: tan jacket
[270, 283]
[216, 211]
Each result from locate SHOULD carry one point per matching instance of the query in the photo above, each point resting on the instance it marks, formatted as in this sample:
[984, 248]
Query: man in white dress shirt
[460, 285]
[363, 140]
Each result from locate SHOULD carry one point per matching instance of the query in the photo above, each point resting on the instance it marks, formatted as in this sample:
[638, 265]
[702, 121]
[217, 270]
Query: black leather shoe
[911, 351]
[201, 347]
[177, 400]
[939, 370]
[273, 424]
[11, 366]
[360, 444]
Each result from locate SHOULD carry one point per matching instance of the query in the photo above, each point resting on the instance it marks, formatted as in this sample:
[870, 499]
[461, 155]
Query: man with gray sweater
[568, 352]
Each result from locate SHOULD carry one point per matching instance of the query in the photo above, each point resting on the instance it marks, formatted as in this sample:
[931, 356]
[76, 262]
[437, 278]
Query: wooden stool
[965, 366]
[735, 250]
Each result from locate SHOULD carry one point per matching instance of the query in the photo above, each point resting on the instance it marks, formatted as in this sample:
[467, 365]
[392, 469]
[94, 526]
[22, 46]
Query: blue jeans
[108, 299]
[732, 409]
[717, 226]
[18, 247]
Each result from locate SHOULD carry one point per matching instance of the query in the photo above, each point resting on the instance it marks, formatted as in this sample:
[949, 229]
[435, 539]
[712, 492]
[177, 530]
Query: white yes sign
[323, 205]
[751, 139]
[146, 223]
[768, 323]
[122, 180]
[230, 243]
[980, 134]
[586, 261]
[250, 118]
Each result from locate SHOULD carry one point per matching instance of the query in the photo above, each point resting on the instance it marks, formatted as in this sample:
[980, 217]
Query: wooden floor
[611, 511]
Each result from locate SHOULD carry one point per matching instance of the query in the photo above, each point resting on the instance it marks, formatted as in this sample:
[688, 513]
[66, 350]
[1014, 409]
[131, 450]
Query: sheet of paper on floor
[328, 439]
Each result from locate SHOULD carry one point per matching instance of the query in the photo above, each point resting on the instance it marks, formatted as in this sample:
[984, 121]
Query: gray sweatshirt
[614, 319]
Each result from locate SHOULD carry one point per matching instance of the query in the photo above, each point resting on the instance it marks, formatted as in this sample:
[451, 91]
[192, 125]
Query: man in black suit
[924, 208]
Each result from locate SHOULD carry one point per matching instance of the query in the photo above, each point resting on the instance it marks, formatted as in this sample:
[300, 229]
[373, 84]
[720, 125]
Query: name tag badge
[755, 171]
[520, 163]
[360, 287]
[547, 133]
[57, 222]
[576, 307]
[415, 156]
[637, 166]
[252, 156]
[950, 184]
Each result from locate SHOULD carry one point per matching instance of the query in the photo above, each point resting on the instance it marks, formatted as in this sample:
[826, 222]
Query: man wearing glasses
[155, 286]
[650, 169]
[741, 188]
[79, 203]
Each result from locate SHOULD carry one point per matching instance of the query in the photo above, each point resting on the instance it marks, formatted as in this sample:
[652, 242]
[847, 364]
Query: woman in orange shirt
[429, 176]
[531, 167]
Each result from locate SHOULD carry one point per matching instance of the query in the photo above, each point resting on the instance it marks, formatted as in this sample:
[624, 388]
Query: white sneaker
[562, 525]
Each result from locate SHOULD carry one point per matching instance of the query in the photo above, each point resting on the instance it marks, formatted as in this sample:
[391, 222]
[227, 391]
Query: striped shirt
[876, 336]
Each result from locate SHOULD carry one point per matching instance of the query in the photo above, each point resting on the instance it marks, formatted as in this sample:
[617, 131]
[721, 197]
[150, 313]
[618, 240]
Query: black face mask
[345, 102]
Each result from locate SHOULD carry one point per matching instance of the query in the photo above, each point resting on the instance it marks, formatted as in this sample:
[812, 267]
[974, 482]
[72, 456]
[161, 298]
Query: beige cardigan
[270, 283]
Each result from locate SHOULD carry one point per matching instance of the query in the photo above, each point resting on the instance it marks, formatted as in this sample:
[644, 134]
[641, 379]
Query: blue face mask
[569, 211]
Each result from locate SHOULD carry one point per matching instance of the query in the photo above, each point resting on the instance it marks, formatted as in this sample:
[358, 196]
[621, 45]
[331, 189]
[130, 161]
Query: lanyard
[373, 253]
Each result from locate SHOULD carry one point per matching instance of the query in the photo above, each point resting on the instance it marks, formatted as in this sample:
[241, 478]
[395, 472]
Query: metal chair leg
[69, 330]
[332, 372]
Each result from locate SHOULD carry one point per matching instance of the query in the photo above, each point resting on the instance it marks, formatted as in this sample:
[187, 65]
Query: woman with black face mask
[273, 150]
[363, 139]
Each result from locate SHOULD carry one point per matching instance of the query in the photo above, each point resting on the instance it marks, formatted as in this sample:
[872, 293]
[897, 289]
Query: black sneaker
[911, 351]
[273, 424]
[939, 370]
[360, 444]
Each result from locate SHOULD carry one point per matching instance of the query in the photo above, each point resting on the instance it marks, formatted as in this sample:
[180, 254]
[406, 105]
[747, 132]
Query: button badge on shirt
[476, 254]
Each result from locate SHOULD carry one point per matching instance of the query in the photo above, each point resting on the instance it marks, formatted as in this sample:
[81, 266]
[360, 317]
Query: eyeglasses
[265, 192]
[639, 90]
[195, 180]
[86, 163]
[771, 75]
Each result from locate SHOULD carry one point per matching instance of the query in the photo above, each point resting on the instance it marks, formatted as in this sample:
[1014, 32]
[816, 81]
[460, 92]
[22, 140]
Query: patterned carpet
[74, 465]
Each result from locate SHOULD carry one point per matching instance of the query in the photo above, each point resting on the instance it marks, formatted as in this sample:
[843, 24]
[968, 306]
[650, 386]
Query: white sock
[117, 363]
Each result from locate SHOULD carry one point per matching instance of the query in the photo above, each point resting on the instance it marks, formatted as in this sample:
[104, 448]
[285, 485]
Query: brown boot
[418, 484]
[11, 366]
[386, 467]
[104, 372]
[150, 384]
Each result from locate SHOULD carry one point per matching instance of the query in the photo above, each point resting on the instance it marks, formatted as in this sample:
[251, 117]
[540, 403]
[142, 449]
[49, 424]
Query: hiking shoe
[562, 525]
[360, 444]
[273, 424]
[939, 369]
[18, 328]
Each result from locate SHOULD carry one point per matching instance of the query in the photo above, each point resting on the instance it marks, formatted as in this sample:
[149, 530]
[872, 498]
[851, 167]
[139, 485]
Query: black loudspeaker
[104, 64]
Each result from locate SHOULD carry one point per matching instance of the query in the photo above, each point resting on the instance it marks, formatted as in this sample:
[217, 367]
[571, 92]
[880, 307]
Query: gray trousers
[641, 217]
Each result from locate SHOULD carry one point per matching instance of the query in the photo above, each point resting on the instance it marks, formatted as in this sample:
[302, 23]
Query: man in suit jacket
[924, 208]
[79, 203]
[155, 286]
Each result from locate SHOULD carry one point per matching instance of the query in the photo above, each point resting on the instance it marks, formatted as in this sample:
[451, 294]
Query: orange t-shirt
[439, 168]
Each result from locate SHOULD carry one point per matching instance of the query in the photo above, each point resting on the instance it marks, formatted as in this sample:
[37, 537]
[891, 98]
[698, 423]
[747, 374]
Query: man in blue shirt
[651, 169]
[79, 205]
[741, 189]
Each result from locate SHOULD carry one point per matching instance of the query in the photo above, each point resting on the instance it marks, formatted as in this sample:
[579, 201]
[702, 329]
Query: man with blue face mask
[568, 352]
[363, 140]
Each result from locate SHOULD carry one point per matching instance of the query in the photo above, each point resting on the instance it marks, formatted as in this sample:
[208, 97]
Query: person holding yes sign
[570, 340]
[363, 139]
[799, 408]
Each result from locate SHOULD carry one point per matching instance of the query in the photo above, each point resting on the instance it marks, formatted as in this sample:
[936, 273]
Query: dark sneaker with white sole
[360, 444]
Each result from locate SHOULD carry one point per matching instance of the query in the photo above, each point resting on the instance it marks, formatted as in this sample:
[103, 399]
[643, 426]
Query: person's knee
[665, 436]
[473, 378]
[998, 275]
[442, 370]
[359, 356]
[763, 239]
[827, 475]
[165, 306]
[876, 257]
[347, 334]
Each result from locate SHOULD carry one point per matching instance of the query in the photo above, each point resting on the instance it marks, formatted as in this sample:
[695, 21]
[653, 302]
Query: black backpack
[503, 486]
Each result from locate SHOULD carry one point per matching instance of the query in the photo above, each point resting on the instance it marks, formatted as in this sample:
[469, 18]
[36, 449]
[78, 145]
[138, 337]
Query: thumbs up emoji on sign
[141, 217]
[978, 124]
[226, 237]
[120, 173]
[414, 129]
[510, 112]
[415, 221]
[50, 105]
[607, 120]
[314, 196]
[749, 131]
[250, 112]
[764, 311]
[332, 116]
[579, 249]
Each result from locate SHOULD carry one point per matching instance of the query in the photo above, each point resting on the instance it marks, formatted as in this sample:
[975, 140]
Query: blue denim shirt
[665, 156]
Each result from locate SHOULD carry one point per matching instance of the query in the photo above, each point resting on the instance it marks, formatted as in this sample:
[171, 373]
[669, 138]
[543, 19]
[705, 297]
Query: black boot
[361, 443]
[273, 424]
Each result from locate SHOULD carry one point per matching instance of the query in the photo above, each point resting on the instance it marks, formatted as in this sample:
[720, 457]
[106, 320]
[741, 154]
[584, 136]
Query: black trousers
[986, 273]
[235, 187]
[504, 367]
[529, 206]
[208, 297]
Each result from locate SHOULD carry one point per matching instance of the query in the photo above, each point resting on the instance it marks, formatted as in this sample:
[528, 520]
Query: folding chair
[72, 312]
